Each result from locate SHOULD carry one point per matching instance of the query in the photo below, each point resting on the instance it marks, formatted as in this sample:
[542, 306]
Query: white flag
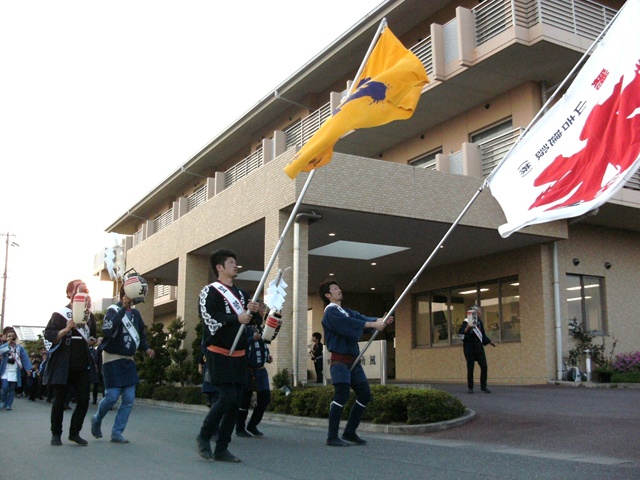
[581, 152]
[274, 299]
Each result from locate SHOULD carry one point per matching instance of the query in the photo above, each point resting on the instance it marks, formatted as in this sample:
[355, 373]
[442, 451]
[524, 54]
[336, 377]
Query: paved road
[544, 432]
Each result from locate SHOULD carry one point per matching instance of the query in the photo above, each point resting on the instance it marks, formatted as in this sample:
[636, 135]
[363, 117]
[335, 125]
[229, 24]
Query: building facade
[372, 217]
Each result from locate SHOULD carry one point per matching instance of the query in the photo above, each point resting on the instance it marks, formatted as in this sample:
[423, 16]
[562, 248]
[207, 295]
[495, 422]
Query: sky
[96, 95]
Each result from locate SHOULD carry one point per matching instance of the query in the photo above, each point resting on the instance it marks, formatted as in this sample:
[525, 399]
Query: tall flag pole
[307, 183]
[587, 146]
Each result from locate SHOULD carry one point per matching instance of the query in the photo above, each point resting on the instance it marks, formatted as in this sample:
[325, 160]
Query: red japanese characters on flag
[587, 146]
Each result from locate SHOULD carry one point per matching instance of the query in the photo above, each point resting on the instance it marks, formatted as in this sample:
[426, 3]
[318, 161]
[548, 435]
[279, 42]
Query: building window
[439, 314]
[427, 160]
[585, 302]
[491, 132]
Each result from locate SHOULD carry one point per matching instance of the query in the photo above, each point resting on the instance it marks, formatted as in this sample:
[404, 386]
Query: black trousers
[223, 414]
[472, 358]
[80, 381]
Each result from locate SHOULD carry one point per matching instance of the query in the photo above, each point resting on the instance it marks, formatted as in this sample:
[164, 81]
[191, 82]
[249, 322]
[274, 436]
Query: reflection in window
[584, 296]
[440, 313]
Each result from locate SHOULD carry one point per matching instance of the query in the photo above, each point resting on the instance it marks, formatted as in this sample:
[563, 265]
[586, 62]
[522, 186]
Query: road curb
[392, 429]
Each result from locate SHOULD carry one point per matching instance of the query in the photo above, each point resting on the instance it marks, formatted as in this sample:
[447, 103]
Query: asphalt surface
[535, 432]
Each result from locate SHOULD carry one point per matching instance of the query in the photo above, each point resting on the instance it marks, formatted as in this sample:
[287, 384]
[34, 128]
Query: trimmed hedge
[390, 404]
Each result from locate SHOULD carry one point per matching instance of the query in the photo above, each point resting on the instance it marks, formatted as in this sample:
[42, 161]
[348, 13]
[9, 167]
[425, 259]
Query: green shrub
[145, 390]
[429, 406]
[193, 396]
[390, 404]
[168, 393]
[281, 379]
[280, 403]
[303, 402]
[627, 377]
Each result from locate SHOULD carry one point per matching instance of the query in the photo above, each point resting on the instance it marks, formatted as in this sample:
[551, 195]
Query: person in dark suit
[474, 339]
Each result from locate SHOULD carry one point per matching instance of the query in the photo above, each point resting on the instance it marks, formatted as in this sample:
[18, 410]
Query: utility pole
[6, 263]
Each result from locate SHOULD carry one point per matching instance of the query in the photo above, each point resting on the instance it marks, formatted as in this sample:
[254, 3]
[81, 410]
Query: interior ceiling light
[355, 250]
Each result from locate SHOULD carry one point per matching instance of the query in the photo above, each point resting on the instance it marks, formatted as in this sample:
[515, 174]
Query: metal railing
[161, 291]
[299, 132]
[580, 17]
[137, 237]
[494, 149]
[163, 220]
[197, 198]
[244, 168]
[424, 52]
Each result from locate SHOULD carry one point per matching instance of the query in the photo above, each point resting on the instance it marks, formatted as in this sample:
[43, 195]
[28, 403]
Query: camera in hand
[472, 317]
[11, 360]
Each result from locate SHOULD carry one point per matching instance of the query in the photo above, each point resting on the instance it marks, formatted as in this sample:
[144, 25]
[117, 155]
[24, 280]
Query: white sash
[13, 351]
[231, 298]
[478, 333]
[128, 325]
[342, 310]
[131, 329]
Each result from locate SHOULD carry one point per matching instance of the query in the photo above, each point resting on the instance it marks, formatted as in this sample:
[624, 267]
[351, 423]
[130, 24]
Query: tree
[180, 367]
[153, 370]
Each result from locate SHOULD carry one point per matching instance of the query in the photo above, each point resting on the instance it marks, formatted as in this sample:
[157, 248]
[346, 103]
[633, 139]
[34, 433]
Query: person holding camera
[474, 339]
[14, 359]
[316, 355]
[69, 365]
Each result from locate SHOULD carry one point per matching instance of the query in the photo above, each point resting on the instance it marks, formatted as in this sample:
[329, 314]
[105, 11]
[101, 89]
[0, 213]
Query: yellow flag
[388, 89]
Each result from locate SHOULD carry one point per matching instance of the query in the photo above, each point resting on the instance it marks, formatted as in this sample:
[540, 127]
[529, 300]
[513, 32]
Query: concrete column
[442, 163]
[193, 275]
[282, 347]
[471, 160]
[279, 143]
[219, 183]
[211, 187]
[437, 52]
[466, 36]
[267, 150]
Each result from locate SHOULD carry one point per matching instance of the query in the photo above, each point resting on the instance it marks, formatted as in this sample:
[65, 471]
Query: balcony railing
[163, 220]
[494, 149]
[197, 198]
[244, 168]
[580, 17]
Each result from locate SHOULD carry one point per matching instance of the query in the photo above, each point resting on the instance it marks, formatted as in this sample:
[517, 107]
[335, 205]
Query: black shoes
[486, 390]
[470, 390]
[336, 442]
[204, 448]
[254, 431]
[242, 433]
[353, 438]
[78, 439]
[56, 441]
[225, 456]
